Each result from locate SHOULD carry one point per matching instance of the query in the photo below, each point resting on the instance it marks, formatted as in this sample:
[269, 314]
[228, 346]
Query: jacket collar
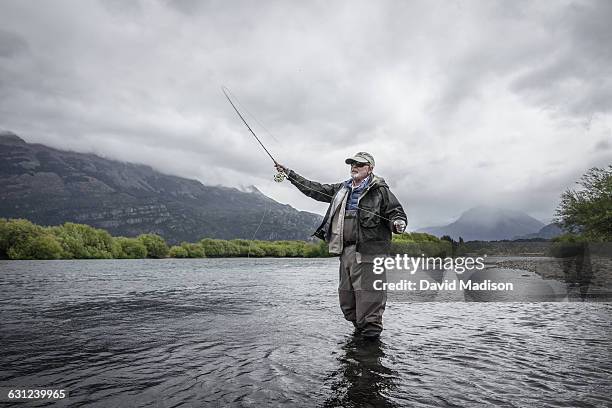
[373, 181]
[365, 182]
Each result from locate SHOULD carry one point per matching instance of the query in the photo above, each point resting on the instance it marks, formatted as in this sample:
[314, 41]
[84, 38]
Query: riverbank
[593, 268]
[21, 239]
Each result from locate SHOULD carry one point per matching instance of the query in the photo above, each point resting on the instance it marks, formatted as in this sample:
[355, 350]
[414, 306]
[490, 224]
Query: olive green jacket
[378, 209]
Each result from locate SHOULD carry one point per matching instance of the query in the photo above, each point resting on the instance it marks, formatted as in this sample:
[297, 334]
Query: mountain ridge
[486, 223]
[51, 186]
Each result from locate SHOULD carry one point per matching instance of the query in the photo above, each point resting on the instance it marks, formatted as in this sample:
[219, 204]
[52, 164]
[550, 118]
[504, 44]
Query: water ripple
[269, 332]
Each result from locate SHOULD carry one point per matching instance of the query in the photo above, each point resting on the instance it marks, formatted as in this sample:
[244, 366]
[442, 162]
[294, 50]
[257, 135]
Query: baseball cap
[360, 157]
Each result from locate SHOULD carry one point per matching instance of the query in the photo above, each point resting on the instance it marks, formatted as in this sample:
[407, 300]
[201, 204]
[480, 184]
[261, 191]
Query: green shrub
[193, 250]
[292, 248]
[316, 250]
[415, 237]
[42, 246]
[248, 248]
[220, 248]
[178, 252]
[21, 239]
[272, 250]
[567, 245]
[80, 241]
[129, 248]
[156, 246]
[255, 251]
[213, 247]
[14, 232]
[588, 210]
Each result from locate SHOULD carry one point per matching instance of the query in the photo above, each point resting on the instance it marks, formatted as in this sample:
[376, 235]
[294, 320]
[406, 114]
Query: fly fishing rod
[280, 176]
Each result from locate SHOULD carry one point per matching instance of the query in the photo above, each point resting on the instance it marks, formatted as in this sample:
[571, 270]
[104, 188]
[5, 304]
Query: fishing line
[282, 175]
[244, 108]
[246, 124]
[255, 233]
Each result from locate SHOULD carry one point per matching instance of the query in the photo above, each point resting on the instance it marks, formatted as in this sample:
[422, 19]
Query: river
[268, 332]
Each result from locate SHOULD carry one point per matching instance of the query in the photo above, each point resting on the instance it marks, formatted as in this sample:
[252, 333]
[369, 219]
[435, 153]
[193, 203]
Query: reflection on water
[361, 378]
[269, 332]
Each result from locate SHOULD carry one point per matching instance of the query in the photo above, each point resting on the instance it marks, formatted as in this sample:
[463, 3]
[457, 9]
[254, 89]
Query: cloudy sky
[462, 103]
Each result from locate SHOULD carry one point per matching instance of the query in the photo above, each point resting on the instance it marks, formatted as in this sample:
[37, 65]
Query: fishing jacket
[378, 209]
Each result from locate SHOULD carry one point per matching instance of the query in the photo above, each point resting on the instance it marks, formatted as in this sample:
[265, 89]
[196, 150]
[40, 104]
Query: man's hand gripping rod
[281, 175]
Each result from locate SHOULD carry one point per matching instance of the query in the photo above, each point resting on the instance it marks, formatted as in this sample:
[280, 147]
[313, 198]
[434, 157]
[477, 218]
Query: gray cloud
[604, 144]
[573, 76]
[462, 103]
[11, 44]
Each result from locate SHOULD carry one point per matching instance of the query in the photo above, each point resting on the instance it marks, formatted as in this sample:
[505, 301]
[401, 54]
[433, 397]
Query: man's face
[359, 171]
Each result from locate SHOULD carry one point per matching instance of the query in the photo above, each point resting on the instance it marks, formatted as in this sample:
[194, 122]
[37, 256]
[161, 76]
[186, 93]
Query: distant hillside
[546, 232]
[488, 224]
[50, 187]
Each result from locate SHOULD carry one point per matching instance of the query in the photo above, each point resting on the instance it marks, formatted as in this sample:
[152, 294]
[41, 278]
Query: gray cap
[361, 157]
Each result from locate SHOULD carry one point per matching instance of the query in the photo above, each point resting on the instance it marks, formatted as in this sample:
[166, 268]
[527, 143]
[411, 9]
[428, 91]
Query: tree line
[586, 213]
[22, 239]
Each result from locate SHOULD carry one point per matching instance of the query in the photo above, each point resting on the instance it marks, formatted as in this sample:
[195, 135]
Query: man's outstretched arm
[317, 191]
[395, 212]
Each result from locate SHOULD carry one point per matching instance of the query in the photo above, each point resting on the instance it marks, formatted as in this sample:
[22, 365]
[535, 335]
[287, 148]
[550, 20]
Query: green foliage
[244, 248]
[178, 252]
[455, 247]
[42, 246]
[14, 231]
[256, 251]
[156, 246]
[417, 244]
[21, 239]
[128, 248]
[249, 248]
[588, 211]
[273, 249]
[318, 250]
[292, 249]
[219, 248]
[193, 250]
[415, 237]
[569, 238]
[81, 241]
[567, 245]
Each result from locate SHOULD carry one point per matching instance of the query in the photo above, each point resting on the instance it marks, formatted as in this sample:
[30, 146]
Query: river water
[268, 332]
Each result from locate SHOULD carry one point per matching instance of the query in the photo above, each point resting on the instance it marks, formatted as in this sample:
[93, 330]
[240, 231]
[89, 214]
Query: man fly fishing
[358, 226]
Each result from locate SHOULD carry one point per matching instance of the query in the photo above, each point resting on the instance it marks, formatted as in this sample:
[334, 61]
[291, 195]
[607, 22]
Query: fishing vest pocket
[369, 217]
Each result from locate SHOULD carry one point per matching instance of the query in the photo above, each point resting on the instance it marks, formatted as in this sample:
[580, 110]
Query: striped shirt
[353, 198]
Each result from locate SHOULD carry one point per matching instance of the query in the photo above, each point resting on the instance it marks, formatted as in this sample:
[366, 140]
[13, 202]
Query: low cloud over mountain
[488, 224]
[50, 186]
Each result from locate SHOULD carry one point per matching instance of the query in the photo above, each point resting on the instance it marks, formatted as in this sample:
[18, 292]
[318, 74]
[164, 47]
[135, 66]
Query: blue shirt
[353, 198]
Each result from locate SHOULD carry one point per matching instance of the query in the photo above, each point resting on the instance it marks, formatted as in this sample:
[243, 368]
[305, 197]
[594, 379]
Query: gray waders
[360, 303]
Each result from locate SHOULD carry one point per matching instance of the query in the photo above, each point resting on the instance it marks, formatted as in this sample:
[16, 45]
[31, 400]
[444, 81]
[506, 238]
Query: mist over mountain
[49, 187]
[548, 231]
[488, 224]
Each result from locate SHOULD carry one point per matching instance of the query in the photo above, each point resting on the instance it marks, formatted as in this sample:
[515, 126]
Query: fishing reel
[279, 177]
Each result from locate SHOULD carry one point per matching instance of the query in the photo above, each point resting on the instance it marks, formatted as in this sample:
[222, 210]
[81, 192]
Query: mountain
[546, 232]
[50, 187]
[488, 224]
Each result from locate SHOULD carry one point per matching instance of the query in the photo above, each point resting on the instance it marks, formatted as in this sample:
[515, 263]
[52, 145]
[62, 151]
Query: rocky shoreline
[595, 269]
